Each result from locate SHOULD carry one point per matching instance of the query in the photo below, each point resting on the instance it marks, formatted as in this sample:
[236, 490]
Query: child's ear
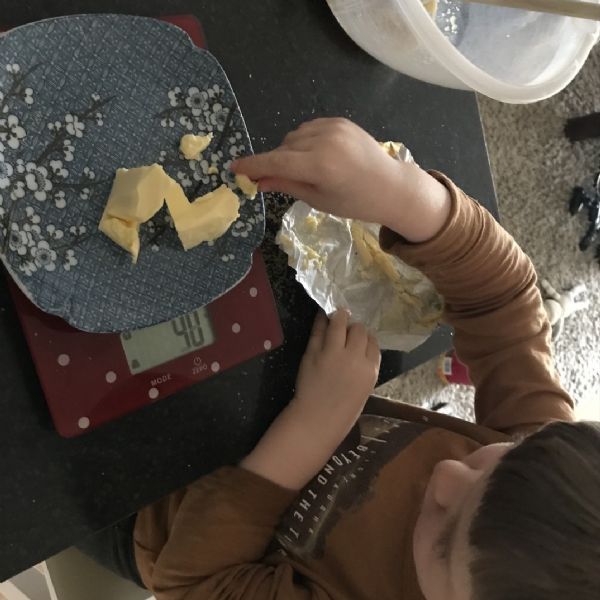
[451, 481]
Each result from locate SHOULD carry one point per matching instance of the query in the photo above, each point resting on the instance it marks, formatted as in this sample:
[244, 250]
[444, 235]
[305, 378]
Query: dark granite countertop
[288, 61]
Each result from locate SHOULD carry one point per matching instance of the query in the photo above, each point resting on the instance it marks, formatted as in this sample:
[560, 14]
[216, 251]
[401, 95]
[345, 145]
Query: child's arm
[208, 540]
[338, 372]
[502, 332]
[488, 283]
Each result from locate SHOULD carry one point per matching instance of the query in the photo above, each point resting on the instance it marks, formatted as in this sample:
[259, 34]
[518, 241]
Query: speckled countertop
[288, 61]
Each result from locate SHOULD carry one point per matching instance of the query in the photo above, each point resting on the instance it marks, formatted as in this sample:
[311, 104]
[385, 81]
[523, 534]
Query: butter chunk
[311, 256]
[430, 6]
[136, 196]
[357, 232]
[249, 188]
[370, 253]
[123, 233]
[312, 223]
[207, 218]
[392, 148]
[383, 260]
[192, 146]
[177, 202]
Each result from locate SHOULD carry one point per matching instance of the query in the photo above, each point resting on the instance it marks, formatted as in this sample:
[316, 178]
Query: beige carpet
[535, 168]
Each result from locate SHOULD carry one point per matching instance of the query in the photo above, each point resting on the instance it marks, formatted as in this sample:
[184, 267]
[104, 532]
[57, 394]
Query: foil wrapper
[340, 265]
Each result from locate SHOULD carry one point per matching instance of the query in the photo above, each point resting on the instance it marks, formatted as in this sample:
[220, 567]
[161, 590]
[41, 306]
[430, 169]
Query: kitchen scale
[89, 378]
[92, 378]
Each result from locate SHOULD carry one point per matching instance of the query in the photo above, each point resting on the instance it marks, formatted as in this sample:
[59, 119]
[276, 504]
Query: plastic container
[507, 54]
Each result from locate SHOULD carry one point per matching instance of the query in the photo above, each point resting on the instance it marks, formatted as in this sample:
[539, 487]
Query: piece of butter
[364, 255]
[312, 223]
[383, 260]
[392, 148]
[311, 256]
[430, 6]
[207, 217]
[370, 253]
[249, 188]
[192, 146]
[177, 202]
[123, 233]
[136, 196]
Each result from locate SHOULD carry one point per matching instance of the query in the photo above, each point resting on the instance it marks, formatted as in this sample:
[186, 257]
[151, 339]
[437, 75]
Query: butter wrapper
[340, 265]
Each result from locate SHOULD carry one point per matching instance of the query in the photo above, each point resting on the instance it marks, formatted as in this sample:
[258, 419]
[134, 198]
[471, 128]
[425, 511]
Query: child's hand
[333, 165]
[336, 376]
[337, 167]
[337, 373]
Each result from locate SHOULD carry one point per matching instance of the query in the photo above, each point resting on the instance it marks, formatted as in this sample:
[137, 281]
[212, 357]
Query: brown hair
[536, 534]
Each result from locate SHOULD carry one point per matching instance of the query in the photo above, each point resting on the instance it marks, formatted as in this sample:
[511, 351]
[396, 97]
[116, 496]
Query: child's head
[515, 522]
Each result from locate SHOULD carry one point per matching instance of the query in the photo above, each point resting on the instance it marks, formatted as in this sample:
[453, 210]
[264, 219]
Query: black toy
[581, 199]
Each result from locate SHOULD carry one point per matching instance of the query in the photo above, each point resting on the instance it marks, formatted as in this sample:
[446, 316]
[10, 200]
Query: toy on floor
[579, 200]
[559, 306]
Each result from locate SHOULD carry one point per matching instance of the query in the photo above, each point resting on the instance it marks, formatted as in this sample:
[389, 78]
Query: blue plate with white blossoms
[80, 97]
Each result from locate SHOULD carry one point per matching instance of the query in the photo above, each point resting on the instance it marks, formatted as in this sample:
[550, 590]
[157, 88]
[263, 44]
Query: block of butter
[249, 188]
[206, 218]
[392, 148]
[136, 196]
[124, 233]
[177, 202]
[192, 146]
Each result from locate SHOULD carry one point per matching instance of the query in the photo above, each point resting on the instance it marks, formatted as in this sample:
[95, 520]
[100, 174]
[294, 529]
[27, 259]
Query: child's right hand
[337, 167]
[333, 165]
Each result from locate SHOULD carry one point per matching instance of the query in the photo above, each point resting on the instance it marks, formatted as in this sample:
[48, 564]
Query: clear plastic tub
[507, 54]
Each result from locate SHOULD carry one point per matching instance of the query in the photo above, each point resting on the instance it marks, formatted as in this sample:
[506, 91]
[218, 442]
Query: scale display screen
[146, 348]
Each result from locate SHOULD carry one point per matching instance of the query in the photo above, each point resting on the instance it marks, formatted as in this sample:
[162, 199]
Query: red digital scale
[89, 379]
[92, 378]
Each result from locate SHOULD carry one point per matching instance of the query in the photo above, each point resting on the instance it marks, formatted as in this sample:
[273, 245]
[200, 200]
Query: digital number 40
[189, 327]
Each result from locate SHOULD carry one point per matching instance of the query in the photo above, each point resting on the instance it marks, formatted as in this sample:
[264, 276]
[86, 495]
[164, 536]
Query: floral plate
[79, 97]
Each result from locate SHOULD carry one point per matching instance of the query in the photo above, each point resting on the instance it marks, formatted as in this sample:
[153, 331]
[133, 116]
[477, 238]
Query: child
[335, 504]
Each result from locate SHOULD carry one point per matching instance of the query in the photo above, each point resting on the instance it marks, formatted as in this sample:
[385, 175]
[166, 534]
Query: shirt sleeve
[491, 299]
[208, 541]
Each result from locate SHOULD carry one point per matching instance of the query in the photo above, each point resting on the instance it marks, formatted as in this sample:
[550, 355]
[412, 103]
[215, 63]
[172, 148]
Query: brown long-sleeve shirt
[348, 533]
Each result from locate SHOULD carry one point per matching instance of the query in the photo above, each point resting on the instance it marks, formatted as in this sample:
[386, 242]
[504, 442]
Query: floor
[535, 168]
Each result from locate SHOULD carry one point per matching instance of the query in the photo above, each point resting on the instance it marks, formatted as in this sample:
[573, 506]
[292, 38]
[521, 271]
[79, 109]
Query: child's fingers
[301, 143]
[357, 339]
[322, 124]
[281, 163]
[299, 135]
[317, 334]
[373, 351]
[286, 186]
[335, 337]
[310, 132]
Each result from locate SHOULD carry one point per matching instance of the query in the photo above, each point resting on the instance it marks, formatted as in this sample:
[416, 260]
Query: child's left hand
[338, 372]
